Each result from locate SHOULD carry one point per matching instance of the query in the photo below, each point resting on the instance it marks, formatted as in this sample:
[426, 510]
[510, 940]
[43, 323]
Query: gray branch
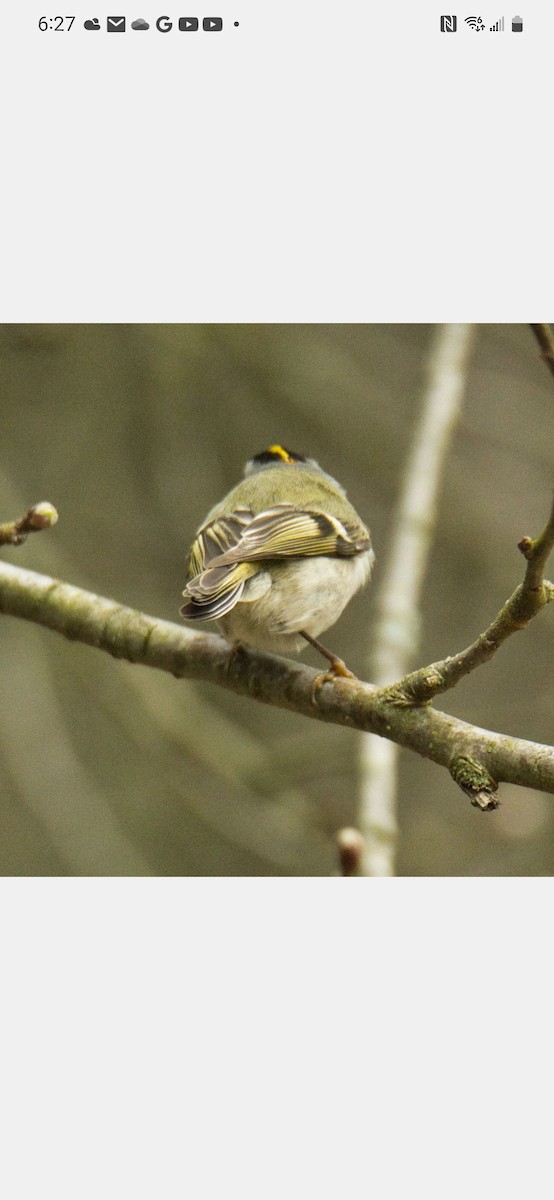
[476, 758]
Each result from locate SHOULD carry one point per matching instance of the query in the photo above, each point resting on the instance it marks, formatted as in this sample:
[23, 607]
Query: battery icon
[517, 24]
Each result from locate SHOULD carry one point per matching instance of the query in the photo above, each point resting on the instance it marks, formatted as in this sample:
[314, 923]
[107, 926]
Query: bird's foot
[338, 668]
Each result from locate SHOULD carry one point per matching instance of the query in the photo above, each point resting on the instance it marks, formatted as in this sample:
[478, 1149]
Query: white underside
[308, 593]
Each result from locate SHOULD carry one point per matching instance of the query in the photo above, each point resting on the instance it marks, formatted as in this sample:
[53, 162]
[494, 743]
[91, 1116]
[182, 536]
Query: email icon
[116, 24]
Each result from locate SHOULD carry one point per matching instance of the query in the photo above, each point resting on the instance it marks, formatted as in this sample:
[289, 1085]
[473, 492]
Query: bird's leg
[338, 666]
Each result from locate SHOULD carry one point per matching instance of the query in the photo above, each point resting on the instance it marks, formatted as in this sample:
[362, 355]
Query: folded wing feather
[229, 551]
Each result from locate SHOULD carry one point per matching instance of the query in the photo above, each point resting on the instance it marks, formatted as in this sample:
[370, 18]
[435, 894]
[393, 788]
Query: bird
[277, 560]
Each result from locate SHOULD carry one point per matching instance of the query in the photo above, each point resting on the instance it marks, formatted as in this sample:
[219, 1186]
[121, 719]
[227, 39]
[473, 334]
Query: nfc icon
[449, 24]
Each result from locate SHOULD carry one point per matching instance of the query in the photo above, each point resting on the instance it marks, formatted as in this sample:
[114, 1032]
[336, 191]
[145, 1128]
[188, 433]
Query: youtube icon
[188, 24]
[212, 24]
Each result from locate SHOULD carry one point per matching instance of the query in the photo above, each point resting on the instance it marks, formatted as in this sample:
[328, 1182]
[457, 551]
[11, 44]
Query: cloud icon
[140, 24]
[94, 24]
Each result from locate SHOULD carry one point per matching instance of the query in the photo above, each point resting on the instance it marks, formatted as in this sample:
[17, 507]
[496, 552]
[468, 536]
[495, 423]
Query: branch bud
[350, 845]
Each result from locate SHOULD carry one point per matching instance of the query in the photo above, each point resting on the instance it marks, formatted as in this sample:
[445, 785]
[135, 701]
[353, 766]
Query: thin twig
[533, 594]
[39, 517]
[543, 334]
[397, 627]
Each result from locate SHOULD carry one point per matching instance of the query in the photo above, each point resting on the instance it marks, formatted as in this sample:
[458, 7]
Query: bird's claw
[338, 670]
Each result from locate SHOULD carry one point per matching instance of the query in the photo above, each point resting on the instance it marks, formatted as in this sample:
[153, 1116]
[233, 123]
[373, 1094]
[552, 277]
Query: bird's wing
[214, 588]
[229, 551]
[285, 531]
[213, 539]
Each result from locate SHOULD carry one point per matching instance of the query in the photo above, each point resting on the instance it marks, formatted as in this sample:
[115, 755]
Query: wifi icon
[475, 23]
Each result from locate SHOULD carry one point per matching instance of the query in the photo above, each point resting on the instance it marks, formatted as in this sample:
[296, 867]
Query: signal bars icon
[449, 24]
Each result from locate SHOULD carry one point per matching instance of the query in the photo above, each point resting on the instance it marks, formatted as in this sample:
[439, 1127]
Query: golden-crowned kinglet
[277, 561]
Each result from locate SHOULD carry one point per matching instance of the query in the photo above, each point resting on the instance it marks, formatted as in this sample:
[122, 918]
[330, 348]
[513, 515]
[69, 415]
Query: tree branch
[476, 758]
[528, 599]
[543, 334]
[395, 633]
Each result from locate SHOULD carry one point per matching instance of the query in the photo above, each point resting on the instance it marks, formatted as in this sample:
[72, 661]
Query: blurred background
[133, 432]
